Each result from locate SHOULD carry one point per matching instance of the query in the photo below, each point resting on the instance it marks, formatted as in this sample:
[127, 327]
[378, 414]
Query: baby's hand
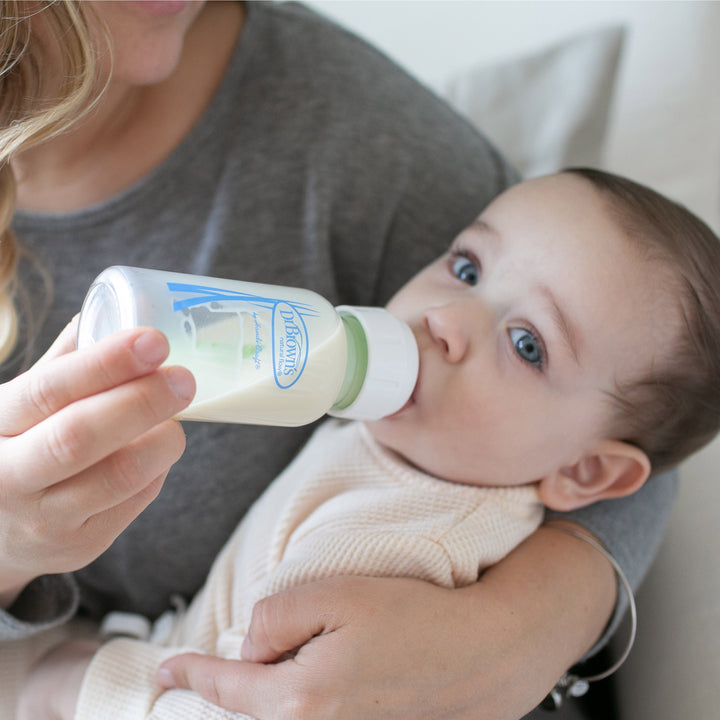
[52, 687]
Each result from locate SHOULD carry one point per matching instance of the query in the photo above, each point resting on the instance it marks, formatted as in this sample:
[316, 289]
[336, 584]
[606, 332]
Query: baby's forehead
[559, 183]
[552, 198]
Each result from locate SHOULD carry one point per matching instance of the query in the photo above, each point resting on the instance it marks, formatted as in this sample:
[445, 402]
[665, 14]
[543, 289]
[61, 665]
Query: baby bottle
[261, 354]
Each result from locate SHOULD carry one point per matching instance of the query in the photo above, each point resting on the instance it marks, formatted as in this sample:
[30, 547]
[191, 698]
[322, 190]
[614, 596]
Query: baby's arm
[120, 685]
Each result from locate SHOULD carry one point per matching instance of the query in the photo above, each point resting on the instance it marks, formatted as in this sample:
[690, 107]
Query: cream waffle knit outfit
[344, 506]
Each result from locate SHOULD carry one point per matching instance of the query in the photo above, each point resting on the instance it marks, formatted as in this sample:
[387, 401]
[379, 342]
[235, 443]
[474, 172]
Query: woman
[257, 141]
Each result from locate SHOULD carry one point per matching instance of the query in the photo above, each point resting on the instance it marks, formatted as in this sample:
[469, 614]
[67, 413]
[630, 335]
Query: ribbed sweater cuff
[120, 681]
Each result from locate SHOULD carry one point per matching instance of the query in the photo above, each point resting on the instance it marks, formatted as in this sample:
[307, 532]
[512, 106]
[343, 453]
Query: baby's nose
[447, 327]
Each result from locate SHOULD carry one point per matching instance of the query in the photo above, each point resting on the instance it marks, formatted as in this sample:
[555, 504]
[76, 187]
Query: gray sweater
[318, 164]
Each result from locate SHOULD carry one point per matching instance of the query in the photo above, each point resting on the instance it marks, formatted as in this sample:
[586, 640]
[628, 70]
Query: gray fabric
[317, 164]
[47, 601]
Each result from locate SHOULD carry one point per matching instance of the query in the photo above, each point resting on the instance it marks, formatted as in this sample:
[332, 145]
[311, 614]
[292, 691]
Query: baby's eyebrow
[562, 322]
[485, 227]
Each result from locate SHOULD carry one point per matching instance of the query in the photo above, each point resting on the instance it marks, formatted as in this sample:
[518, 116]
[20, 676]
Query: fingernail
[150, 348]
[165, 678]
[246, 650]
[181, 382]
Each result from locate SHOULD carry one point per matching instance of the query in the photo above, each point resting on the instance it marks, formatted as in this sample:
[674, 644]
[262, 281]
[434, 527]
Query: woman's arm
[404, 648]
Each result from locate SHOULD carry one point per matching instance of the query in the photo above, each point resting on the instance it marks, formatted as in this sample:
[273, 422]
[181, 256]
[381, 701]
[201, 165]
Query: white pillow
[547, 110]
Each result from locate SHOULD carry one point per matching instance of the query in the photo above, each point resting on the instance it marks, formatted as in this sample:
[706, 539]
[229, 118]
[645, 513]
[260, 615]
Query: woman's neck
[133, 128]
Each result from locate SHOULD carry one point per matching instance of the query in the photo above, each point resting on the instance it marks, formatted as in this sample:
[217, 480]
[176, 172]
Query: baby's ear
[611, 469]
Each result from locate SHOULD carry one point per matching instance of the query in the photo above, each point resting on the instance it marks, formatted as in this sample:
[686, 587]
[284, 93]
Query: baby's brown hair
[675, 408]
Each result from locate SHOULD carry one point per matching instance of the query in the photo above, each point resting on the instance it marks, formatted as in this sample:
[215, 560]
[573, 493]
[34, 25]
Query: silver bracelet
[570, 684]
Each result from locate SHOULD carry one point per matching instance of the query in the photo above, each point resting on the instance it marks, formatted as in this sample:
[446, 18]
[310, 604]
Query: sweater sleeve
[48, 601]
[120, 685]
[630, 529]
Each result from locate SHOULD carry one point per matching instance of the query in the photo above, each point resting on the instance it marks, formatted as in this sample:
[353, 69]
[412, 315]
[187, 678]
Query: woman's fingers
[285, 621]
[120, 476]
[261, 691]
[81, 434]
[99, 531]
[70, 524]
[63, 378]
[361, 639]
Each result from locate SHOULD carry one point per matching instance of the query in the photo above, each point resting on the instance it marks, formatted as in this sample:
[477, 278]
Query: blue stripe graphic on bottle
[290, 342]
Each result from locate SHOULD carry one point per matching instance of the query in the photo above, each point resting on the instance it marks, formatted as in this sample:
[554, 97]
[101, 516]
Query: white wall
[434, 38]
[664, 127]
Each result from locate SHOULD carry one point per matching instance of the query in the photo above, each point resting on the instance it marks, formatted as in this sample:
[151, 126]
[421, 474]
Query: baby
[569, 344]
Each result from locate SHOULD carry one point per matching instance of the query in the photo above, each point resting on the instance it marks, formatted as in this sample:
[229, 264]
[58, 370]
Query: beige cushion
[548, 109]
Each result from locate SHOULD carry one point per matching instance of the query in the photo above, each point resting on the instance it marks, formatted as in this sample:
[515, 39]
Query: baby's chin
[378, 430]
[388, 435]
[411, 451]
[418, 452]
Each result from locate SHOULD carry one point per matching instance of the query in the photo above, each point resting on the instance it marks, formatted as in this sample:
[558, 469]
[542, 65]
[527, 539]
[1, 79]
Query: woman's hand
[86, 441]
[405, 649]
[52, 687]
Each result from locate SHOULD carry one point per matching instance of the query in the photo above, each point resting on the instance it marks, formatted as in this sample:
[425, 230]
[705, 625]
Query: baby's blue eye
[527, 346]
[465, 270]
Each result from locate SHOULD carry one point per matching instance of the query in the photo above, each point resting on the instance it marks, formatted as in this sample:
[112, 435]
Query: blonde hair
[32, 112]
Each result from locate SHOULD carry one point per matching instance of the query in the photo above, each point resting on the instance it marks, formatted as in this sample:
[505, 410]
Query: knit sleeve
[120, 685]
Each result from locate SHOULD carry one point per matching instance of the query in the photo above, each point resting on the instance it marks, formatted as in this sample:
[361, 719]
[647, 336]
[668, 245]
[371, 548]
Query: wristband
[570, 684]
